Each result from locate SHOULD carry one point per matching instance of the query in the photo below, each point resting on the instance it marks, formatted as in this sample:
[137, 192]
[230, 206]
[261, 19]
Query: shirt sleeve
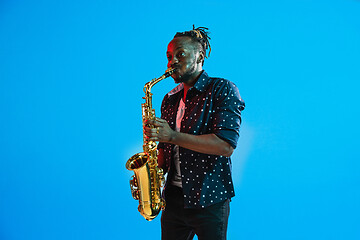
[227, 112]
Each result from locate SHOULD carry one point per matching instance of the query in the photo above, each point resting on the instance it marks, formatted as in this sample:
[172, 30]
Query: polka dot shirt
[212, 105]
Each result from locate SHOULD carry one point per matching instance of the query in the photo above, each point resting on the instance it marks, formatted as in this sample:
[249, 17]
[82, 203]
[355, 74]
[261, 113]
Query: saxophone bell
[145, 185]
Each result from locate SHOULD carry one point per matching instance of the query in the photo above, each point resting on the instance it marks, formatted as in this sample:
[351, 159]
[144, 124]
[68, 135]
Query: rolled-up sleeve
[227, 113]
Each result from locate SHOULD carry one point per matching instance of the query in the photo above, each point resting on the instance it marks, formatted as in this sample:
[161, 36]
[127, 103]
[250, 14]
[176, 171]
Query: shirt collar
[177, 89]
[201, 84]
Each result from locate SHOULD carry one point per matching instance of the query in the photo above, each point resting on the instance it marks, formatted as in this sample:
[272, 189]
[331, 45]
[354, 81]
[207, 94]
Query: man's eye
[181, 54]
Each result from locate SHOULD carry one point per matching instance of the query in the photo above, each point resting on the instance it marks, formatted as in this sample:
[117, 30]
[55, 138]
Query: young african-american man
[197, 133]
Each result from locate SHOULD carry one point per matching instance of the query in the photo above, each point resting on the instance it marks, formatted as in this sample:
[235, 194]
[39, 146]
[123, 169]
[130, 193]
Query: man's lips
[176, 67]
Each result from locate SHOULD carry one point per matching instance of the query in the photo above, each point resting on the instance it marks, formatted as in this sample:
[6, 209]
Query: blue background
[71, 79]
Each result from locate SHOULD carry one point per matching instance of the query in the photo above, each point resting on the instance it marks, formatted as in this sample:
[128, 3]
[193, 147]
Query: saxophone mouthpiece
[170, 72]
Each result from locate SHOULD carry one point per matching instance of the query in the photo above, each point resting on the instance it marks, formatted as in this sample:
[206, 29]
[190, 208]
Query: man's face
[183, 55]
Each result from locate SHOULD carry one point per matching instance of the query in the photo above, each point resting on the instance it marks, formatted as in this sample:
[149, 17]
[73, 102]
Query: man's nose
[173, 61]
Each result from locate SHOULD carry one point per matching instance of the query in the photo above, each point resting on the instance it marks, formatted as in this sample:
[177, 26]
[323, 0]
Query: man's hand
[161, 131]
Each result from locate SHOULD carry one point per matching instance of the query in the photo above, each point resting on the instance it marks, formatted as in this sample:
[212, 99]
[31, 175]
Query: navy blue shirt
[212, 105]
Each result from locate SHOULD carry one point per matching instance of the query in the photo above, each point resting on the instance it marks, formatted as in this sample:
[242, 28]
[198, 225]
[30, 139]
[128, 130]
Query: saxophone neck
[149, 85]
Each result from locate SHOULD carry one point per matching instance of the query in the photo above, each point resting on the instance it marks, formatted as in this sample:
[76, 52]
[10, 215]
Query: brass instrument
[145, 184]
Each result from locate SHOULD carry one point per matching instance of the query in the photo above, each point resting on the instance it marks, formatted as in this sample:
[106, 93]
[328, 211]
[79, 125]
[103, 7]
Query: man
[198, 131]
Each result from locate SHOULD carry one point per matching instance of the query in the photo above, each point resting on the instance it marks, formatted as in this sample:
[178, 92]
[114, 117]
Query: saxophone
[148, 178]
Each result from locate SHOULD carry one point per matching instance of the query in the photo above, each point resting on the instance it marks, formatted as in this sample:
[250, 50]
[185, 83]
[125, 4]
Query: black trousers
[178, 223]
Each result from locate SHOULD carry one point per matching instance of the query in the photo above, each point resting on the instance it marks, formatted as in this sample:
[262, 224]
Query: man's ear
[201, 57]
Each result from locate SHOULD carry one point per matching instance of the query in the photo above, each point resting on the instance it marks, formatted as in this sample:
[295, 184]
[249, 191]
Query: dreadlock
[200, 35]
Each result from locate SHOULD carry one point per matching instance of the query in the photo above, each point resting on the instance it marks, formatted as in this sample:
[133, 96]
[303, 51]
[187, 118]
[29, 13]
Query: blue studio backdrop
[71, 80]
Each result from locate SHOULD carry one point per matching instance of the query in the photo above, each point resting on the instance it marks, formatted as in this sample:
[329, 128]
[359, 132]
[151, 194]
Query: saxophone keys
[134, 188]
[136, 194]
